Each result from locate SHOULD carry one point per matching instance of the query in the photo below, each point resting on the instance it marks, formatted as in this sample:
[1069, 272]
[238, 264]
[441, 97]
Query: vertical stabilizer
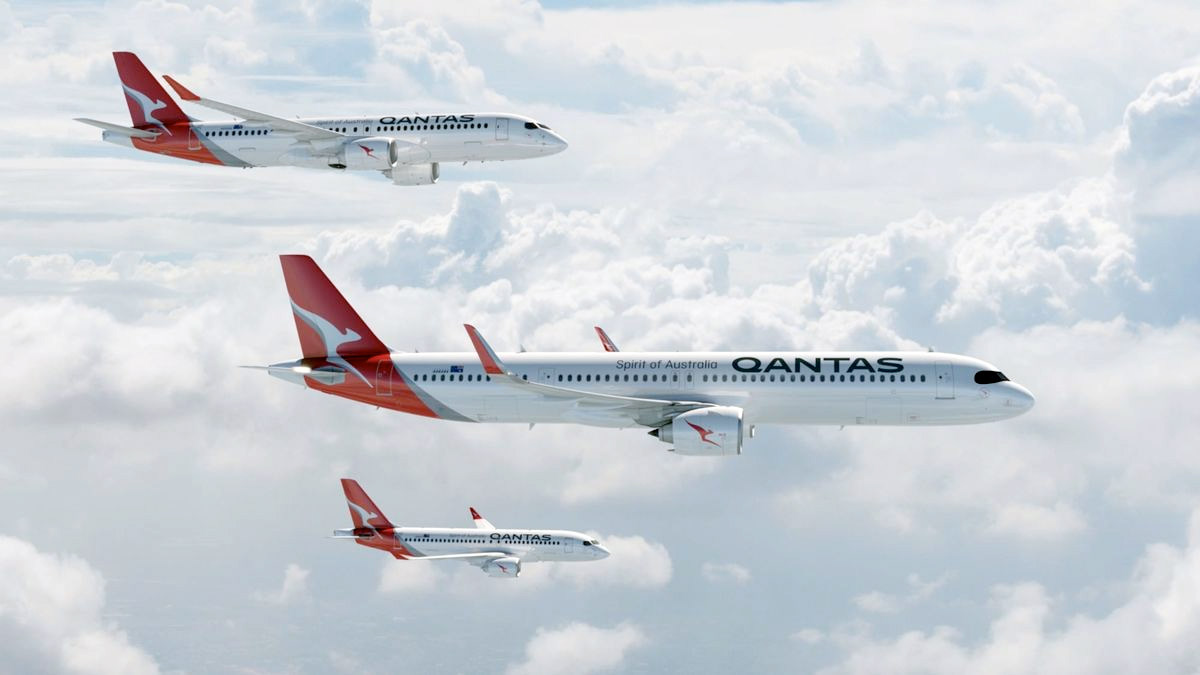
[150, 106]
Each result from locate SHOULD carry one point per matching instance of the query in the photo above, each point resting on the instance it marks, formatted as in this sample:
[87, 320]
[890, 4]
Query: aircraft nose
[557, 143]
[1018, 398]
[601, 552]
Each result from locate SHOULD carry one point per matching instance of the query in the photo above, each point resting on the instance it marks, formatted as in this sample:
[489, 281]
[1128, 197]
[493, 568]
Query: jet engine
[415, 174]
[503, 567]
[708, 432]
[369, 153]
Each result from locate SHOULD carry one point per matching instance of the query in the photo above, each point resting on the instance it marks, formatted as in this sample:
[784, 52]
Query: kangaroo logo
[333, 337]
[363, 513]
[148, 107]
[704, 433]
[369, 151]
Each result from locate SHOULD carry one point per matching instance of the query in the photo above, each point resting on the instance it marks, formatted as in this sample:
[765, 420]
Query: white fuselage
[840, 388]
[526, 545]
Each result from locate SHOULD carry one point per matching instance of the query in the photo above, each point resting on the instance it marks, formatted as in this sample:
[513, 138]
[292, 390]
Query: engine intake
[705, 432]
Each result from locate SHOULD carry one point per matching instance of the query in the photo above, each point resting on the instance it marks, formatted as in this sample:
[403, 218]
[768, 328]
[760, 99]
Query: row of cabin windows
[752, 377]
[477, 541]
[236, 132]
[428, 127]
[394, 127]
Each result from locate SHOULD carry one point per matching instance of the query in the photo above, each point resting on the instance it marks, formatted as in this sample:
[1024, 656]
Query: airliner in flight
[407, 148]
[498, 552]
[702, 403]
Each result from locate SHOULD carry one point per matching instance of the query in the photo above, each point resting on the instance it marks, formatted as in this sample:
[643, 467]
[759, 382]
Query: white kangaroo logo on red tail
[148, 107]
[332, 336]
[363, 513]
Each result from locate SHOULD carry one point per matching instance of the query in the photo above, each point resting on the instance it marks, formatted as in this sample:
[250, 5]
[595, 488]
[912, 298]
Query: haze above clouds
[1012, 183]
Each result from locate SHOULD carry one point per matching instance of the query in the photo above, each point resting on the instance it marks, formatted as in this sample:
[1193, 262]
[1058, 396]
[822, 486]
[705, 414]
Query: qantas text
[426, 119]
[829, 364]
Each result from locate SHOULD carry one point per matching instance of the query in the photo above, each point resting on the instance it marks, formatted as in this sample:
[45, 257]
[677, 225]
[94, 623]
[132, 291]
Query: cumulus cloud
[1152, 629]
[52, 616]
[294, 588]
[578, 648]
[725, 573]
[880, 602]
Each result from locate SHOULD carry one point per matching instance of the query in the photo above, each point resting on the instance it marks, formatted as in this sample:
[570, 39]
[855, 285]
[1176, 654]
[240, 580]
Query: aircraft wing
[647, 412]
[469, 557]
[303, 131]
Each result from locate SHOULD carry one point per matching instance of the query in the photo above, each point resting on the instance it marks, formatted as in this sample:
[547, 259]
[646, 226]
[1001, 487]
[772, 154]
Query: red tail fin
[362, 510]
[327, 324]
[149, 104]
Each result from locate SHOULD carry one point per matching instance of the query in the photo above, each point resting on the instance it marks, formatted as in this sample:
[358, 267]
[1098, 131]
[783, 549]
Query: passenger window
[841, 378]
[560, 378]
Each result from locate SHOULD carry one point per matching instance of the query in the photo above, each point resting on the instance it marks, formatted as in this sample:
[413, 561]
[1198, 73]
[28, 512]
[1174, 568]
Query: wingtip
[183, 91]
[475, 514]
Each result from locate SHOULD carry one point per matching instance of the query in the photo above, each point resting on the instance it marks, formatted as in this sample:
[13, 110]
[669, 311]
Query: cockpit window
[989, 377]
[587, 543]
[543, 126]
[595, 542]
[530, 125]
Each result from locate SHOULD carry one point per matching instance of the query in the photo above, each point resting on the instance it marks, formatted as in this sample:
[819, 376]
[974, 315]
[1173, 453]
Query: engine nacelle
[415, 174]
[503, 567]
[369, 153]
[711, 432]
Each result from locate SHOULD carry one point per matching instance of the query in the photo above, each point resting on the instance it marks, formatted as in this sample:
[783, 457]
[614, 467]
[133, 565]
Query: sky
[1016, 183]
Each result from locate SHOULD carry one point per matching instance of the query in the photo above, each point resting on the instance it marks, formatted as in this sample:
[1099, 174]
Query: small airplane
[703, 403]
[499, 553]
[408, 149]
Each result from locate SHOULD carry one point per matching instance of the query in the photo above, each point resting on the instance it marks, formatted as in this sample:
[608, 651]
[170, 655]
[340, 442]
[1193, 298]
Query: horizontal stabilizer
[118, 129]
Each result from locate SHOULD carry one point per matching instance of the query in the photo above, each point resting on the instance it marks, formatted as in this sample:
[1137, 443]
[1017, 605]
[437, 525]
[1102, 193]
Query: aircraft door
[383, 378]
[944, 376]
[502, 128]
[546, 375]
[568, 545]
[193, 140]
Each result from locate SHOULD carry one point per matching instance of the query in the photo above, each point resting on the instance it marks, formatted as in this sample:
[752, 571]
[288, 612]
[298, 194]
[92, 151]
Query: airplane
[499, 553]
[702, 403]
[408, 149]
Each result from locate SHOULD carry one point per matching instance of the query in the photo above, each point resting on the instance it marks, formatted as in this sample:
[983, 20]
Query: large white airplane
[703, 403]
[408, 149]
[497, 552]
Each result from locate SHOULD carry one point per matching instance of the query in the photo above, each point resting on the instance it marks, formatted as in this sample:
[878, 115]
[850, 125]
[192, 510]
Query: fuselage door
[502, 128]
[944, 376]
[193, 140]
[383, 378]
[568, 546]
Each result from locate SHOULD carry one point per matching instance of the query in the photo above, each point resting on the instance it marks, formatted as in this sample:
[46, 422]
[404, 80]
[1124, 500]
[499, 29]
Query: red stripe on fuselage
[181, 143]
[387, 389]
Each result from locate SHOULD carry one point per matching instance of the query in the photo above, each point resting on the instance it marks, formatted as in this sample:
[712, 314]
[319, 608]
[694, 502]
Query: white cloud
[413, 576]
[578, 648]
[294, 588]
[1152, 629]
[725, 572]
[52, 617]
[887, 603]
